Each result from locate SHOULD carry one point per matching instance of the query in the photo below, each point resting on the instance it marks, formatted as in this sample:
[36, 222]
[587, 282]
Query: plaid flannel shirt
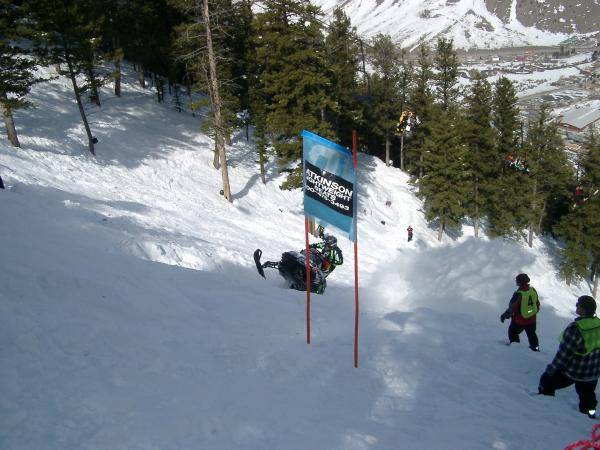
[576, 367]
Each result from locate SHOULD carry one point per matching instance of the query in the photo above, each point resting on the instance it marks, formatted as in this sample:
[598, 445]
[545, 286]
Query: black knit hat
[522, 278]
[588, 304]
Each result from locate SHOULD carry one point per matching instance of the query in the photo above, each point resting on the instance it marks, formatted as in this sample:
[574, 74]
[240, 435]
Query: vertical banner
[329, 182]
[329, 175]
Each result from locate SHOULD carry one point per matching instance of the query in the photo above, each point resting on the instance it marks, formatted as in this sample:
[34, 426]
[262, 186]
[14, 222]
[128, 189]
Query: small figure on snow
[522, 309]
[324, 257]
[1, 183]
[409, 230]
[577, 360]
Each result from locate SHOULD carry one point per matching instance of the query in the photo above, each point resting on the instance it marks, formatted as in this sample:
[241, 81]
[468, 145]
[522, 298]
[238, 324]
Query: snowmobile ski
[257, 255]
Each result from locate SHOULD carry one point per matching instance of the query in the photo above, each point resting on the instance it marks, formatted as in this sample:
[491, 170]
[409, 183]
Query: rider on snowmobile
[325, 256]
[331, 252]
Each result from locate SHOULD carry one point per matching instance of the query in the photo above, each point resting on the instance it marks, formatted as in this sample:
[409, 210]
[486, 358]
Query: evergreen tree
[445, 184]
[258, 109]
[581, 227]
[422, 103]
[16, 70]
[446, 180]
[196, 45]
[342, 61]
[404, 86]
[506, 117]
[482, 161]
[383, 113]
[290, 48]
[190, 47]
[147, 36]
[114, 36]
[66, 36]
[446, 78]
[507, 208]
[549, 172]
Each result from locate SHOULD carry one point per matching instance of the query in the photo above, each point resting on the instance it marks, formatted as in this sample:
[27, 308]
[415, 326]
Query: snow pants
[515, 329]
[586, 390]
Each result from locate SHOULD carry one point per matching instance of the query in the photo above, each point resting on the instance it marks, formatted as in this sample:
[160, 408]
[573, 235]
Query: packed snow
[132, 316]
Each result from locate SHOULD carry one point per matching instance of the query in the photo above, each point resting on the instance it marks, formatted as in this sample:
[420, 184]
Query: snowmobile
[292, 267]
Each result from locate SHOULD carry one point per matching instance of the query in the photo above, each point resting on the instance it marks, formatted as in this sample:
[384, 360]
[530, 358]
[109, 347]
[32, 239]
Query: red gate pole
[307, 262]
[355, 251]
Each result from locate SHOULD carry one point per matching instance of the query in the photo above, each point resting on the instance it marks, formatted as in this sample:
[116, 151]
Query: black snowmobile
[292, 267]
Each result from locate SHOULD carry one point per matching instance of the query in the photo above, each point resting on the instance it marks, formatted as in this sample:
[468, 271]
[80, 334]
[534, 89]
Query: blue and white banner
[329, 183]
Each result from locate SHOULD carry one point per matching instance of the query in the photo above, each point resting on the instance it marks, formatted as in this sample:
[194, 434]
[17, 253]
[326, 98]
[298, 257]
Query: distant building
[576, 123]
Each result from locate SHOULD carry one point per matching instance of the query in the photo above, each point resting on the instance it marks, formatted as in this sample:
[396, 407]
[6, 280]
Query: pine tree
[342, 61]
[385, 59]
[196, 44]
[482, 158]
[549, 172]
[191, 48]
[65, 36]
[581, 227]
[16, 70]
[422, 103]
[293, 78]
[446, 78]
[147, 37]
[445, 184]
[507, 208]
[404, 86]
[114, 36]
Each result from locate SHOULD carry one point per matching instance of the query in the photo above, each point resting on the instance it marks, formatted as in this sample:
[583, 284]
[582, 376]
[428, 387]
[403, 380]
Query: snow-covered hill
[472, 23]
[131, 316]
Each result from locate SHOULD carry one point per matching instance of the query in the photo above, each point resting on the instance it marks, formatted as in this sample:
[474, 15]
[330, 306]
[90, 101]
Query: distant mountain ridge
[557, 16]
[473, 23]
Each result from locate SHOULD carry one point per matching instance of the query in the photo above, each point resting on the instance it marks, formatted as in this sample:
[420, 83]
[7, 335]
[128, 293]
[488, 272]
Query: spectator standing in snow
[522, 309]
[410, 233]
[577, 360]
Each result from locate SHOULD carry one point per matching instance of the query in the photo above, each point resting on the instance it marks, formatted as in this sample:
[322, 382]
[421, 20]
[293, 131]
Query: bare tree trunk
[216, 158]
[142, 76]
[216, 101]
[595, 287]
[80, 105]
[541, 217]
[530, 239]
[441, 230]
[9, 122]
[94, 96]
[118, 78]
[476, 210]
[402, 152]
[387, 148]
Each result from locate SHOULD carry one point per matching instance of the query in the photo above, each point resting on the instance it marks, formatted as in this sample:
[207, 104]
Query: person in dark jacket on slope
[577, 360]
[522, 309]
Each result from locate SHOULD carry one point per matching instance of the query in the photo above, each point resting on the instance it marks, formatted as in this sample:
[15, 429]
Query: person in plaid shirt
[577, 360]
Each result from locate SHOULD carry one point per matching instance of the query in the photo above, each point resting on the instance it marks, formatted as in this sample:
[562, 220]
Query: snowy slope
[131, 316]
[469, 22]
